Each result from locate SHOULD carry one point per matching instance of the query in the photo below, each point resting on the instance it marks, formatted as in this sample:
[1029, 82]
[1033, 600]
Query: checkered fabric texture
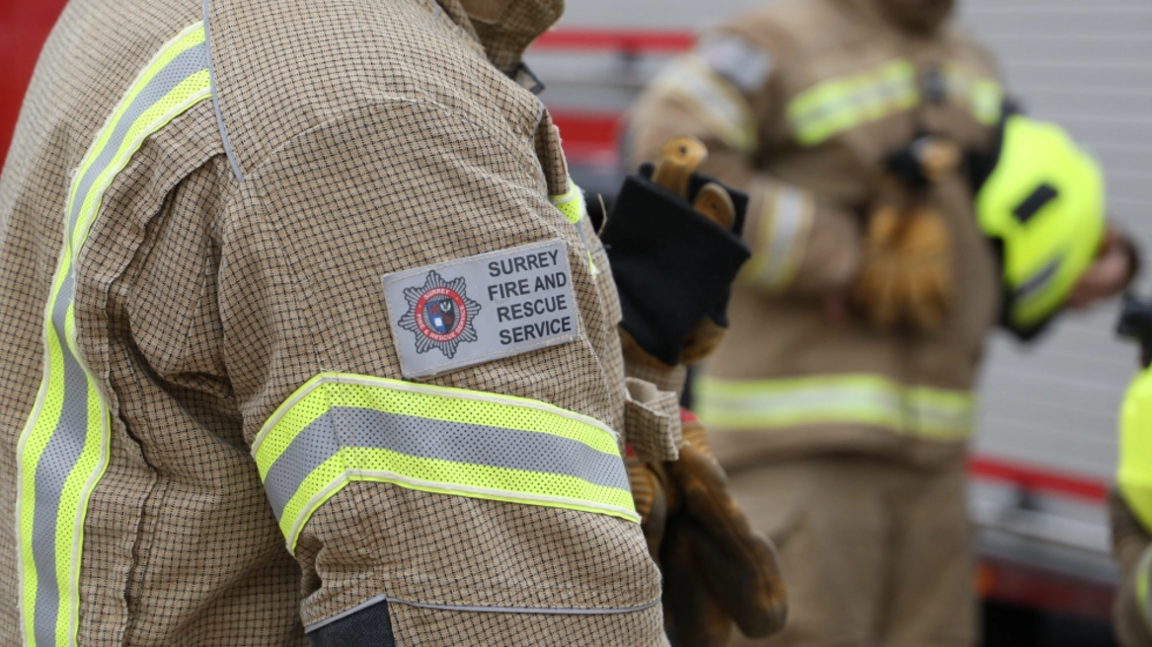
[373, 136]
[652, 420]
[432, 628]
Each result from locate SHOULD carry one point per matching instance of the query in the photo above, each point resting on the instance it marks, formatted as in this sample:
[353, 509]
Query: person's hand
[1108, 275]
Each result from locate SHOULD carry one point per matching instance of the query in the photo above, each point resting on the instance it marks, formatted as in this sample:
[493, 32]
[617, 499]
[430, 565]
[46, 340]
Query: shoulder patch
[743, 64]
[481, 308]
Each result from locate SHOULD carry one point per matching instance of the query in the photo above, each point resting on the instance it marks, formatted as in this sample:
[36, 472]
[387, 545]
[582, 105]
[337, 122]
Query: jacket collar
[927, 21]
[505, 28]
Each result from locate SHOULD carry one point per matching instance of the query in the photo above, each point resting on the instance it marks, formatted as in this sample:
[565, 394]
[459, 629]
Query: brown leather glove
[907, 276]
[717, 569]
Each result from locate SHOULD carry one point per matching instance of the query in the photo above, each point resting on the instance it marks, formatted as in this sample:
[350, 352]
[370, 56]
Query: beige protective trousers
[874, 552]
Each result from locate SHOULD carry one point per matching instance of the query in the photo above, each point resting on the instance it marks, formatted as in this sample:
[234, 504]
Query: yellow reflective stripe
[191, 91]
[192, 36]
[341, 428]
[453, 479]
[1143, 575]
[843, 103]
[783, 403]
[63, 449]
[574, 208]
[940, 414]
[1134, 476]
[714, 99]
[757, 405]
[571, 204]
[426, 401]
[780, 238]
[983, 97]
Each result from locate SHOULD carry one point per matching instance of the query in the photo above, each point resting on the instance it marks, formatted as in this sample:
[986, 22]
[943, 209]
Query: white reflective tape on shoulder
[481, 308]
[714, 99]
[745, 65]
[575, 209]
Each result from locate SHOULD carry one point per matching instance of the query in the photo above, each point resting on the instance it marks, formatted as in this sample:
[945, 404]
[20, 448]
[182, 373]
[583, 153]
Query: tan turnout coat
[238, 254]
[800, 102]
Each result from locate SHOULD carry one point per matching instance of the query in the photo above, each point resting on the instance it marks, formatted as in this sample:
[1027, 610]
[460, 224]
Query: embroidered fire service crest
[440, 314]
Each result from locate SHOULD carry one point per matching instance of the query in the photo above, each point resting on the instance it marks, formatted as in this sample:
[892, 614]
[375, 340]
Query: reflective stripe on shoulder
[63, 449]
[571, 204]
[341, 428]
[764, 405]
[574, 208]
[840, 104]
[714, 99]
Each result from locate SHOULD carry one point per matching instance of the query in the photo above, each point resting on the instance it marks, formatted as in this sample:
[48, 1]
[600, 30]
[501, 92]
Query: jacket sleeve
[345, 265]
[726, 93]
[1132, 548]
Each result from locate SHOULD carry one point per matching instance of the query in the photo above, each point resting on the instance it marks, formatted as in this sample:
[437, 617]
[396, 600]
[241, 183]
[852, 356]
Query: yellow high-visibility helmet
[1043, 206]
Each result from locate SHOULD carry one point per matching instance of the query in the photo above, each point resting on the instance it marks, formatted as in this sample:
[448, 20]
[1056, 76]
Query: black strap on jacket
[368, 627]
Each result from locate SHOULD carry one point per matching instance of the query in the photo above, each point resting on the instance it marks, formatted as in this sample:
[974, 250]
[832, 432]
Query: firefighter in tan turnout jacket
[868, 133]
[312, 272]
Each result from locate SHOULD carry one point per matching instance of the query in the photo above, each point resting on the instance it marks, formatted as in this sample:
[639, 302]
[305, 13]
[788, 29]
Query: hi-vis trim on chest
[481, 308]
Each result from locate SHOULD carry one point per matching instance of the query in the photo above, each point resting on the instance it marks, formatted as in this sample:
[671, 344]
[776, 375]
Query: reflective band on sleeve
[63, 449]
[861, 399]
[780, 238]
[841, 104]
[714, 99]
[572, 205]
[341, 428]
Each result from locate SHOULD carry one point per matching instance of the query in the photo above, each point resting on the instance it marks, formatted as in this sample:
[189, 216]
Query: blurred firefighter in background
[900, 208]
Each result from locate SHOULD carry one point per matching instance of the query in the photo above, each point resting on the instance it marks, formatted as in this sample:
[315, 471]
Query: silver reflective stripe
[864, 101]
[855, 399]
[67, 442]
[828, 402]
[937, 418]
[67, 455]
[782, 235]
[1039, 281]
[715, 98]
[174, 73]
[439, 440]
[60, 455]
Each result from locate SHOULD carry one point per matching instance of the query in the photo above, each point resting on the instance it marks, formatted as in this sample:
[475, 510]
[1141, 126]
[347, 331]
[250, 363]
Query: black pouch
[368, 627]
[672, 265]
